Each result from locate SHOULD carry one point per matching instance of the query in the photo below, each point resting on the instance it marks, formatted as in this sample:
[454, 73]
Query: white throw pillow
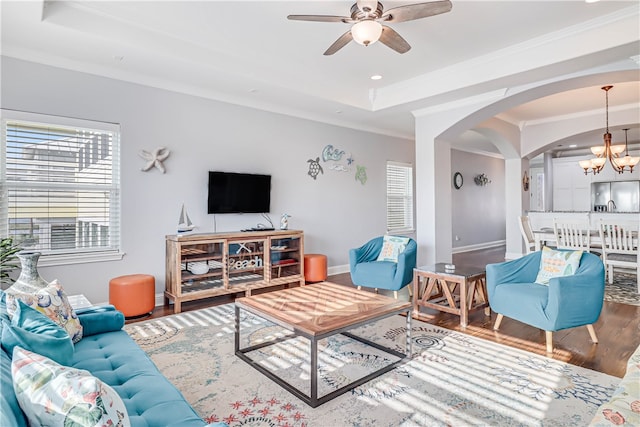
[54, 395]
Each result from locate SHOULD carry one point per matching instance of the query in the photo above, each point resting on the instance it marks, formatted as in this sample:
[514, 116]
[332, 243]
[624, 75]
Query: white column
[433, 196]
[516, 203]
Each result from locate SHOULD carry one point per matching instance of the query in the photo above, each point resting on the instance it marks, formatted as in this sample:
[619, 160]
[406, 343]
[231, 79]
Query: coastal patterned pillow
[392, 246]
[53, 395]
[557, 263]
[52, 302]
[623, 409]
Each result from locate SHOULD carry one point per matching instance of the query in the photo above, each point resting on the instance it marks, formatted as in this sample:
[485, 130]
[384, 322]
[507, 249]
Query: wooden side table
[459, 291]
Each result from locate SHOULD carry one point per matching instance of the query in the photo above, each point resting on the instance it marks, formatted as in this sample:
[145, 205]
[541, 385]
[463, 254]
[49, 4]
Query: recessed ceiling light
[376, 77]
[573, 145]
[591, 1]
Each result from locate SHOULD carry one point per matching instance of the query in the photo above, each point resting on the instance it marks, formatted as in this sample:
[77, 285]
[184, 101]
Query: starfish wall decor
[155, 158]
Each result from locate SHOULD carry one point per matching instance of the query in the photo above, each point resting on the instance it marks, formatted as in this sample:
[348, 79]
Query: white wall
[478, 214]
[335, 211]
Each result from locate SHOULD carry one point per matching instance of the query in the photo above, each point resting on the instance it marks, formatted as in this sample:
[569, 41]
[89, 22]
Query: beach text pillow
[392, 246]
[556, 264]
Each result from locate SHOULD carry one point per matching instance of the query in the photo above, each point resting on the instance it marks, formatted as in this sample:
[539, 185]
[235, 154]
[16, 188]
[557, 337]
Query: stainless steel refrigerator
[615, 196]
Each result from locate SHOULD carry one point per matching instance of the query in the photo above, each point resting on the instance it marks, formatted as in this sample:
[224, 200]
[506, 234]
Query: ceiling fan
[368, 16]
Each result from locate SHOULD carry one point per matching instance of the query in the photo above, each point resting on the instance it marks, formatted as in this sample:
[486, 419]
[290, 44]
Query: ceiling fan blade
[320, 18]
[394, 40]
[342, 41]
[416, 11]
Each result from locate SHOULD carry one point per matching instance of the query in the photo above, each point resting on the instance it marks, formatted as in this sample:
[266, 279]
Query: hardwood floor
[617, 328]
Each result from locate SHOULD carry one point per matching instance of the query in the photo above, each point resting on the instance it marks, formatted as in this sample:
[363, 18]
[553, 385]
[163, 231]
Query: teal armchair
[368, 272]
[567, 302]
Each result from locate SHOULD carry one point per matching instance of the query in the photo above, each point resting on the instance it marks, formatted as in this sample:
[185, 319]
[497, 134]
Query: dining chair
[527, 233]
[620, 246]
[572, 234]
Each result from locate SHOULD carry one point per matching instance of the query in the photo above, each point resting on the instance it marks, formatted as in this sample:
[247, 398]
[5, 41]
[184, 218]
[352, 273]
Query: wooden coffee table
[316, 312]
[458, 291]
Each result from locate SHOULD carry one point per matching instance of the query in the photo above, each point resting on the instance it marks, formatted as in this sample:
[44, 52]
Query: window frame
[79, 255]
[408, 197]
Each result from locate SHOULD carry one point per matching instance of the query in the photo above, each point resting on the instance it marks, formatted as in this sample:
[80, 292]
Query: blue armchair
[567, 302]
[368, 272]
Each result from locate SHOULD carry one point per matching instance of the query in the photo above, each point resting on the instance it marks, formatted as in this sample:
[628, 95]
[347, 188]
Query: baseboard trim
[485, 245]
[338, 269]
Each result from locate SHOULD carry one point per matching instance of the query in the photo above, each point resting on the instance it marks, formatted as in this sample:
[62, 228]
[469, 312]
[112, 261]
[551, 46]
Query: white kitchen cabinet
[571, 187]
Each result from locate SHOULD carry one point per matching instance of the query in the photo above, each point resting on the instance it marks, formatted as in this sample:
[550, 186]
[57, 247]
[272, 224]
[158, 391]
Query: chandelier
[608, 151]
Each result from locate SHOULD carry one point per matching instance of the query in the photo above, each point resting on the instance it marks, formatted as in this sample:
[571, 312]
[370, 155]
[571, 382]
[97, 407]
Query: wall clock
[457, 180]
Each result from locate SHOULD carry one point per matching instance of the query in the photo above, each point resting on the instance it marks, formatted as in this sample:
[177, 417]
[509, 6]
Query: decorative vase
[29, 279]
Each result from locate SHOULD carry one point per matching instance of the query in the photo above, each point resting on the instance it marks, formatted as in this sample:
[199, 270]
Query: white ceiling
[247, 52]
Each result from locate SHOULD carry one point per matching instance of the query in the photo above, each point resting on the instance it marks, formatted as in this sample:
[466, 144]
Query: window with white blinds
[399, 197]
[60, 186]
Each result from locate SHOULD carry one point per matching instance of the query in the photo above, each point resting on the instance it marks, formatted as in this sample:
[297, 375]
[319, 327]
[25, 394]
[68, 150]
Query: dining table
[546, 237]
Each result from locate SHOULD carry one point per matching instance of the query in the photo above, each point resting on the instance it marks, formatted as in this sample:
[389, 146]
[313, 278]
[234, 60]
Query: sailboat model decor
[184, 223]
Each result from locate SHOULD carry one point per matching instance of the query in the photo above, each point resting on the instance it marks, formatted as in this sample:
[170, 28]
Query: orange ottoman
[134, 294]
[315, 267]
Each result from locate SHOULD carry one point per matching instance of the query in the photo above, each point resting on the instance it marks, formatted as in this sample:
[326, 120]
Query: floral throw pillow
[52, 302]
[392, 246]
[54, 395]
[557, 263]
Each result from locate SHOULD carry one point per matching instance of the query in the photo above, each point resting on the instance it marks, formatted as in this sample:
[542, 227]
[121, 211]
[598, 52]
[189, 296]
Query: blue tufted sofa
[112, 356]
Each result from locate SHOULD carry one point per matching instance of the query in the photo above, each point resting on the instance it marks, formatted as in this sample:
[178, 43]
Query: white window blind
[399, 196]
[60, 191]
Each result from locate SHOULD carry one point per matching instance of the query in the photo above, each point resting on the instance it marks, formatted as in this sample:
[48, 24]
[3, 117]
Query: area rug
[452, 379]
[624, 289]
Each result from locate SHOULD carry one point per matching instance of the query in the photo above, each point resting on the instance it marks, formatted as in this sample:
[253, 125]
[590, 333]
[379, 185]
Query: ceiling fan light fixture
[367, 6]
[366, 32]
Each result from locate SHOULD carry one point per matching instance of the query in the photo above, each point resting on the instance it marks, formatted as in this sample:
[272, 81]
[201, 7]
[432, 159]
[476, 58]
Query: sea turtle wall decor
[361, 174]
[314, 167]
[336, 160]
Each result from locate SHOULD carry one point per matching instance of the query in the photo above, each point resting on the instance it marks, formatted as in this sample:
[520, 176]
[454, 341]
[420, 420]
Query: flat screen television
[239, 193]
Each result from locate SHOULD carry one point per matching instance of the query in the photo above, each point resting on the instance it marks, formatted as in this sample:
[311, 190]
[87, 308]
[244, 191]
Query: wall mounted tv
[239, 193]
